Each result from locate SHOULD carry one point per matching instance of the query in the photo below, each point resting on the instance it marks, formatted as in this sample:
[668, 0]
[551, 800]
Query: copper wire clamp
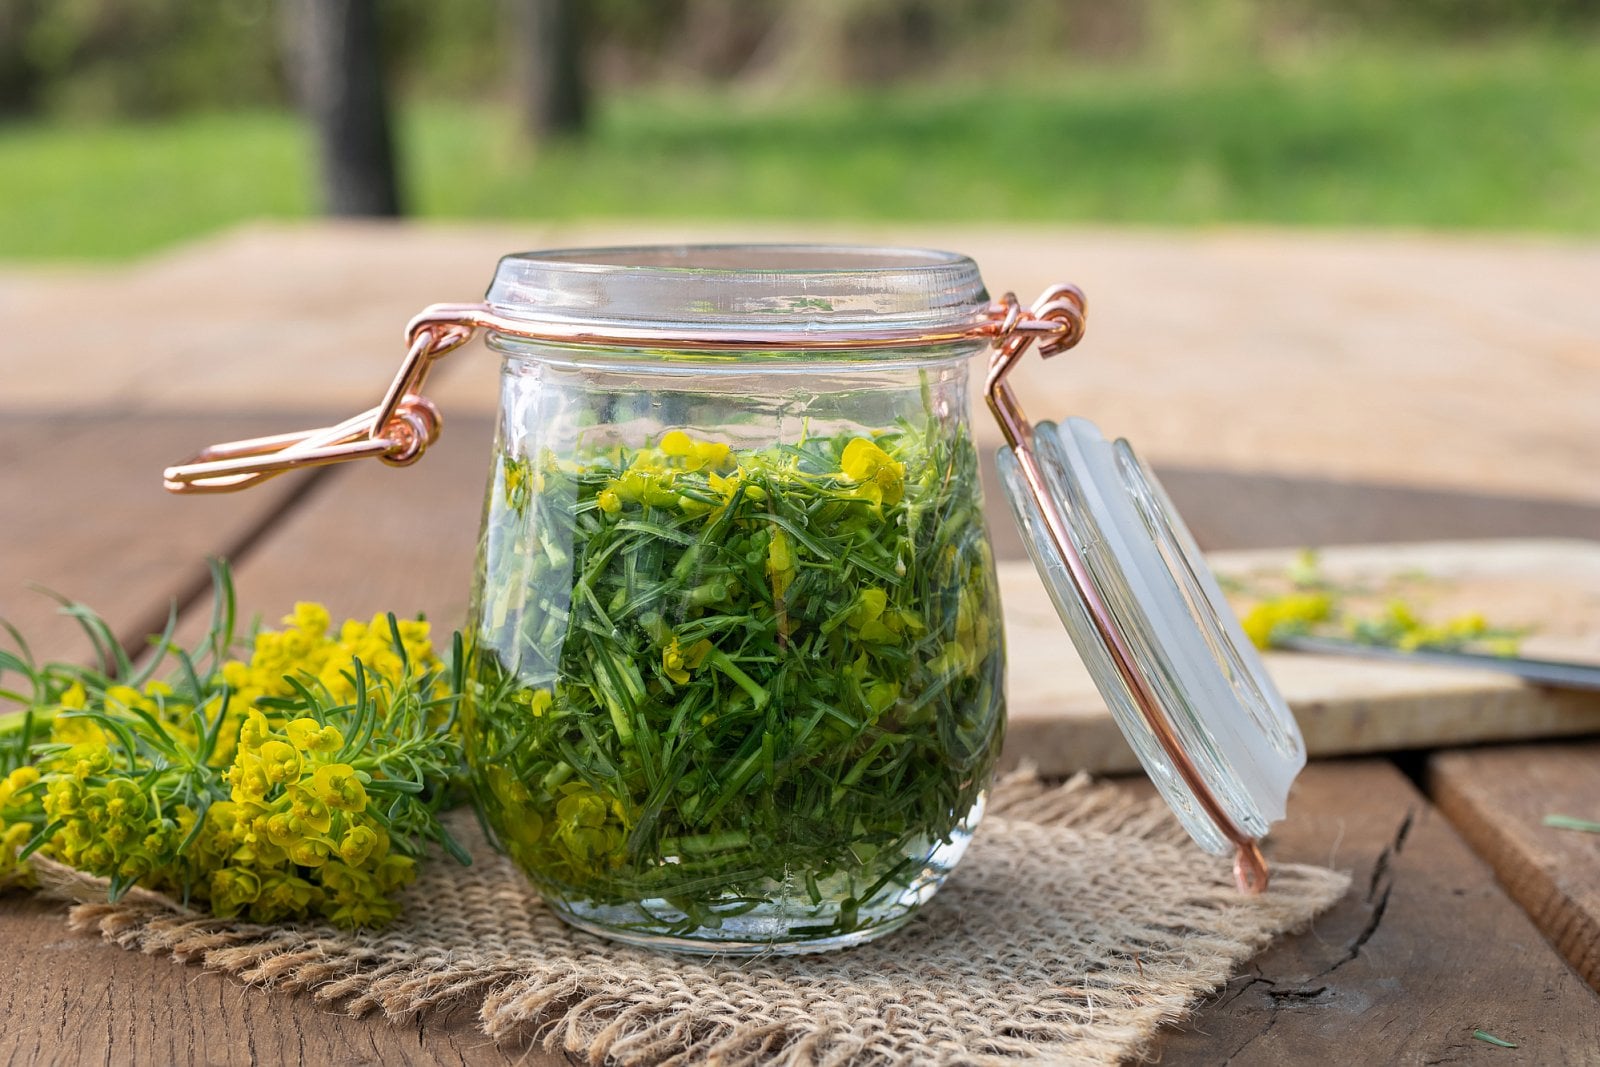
[404, 423]
[402, 426]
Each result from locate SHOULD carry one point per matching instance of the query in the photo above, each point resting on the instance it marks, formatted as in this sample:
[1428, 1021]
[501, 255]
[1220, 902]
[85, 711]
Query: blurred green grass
[1501, 137]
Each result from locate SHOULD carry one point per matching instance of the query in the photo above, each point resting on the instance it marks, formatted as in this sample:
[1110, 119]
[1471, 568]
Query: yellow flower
[309, 618]
[279, 762]
[537, 701]
[308, 735]
[881, 477]
[15, 782]
[360, 842]
[232, 888]
[284, 896]
[311, 851]
[677, 663]
[311, 811]
[395, 871]
[871, 622]
[689, 454]
[248, 778]
[254, 733]
[336, 785]
[780, 563]
[76, 730]
[727, 486]
[1273, 619]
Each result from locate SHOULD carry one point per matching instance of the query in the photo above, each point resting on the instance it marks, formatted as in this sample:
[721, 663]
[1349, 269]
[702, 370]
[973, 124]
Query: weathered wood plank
[85, 515]
[1498, 798]
[1425, 950]
[71, 999]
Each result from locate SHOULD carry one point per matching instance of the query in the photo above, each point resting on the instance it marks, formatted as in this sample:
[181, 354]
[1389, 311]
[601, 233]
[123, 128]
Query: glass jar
[735, 649]
[734, 663]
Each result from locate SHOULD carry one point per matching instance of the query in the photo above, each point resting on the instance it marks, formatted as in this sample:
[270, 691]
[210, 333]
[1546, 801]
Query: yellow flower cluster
[15, 832]
[125, 789]
[307, 649]
[1400, 627]
[1273, 620]
[677, 662]
[1279, 617]
[588, 828]
[652, 476]
[112, 826]
[297, 837]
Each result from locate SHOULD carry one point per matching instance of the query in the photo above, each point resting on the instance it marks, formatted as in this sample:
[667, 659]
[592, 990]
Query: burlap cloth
[1079, 922]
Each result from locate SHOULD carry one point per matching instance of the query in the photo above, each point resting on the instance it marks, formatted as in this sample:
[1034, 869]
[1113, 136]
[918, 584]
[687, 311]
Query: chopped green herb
[1569, 822]
[1482, 1035]
[711, 684]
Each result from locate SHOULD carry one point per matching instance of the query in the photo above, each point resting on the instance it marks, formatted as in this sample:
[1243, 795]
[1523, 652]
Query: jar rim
[826, 289]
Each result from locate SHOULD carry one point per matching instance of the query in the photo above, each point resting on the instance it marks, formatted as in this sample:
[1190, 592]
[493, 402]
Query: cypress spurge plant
[1315, 605]
[710, 680]
[303, 780]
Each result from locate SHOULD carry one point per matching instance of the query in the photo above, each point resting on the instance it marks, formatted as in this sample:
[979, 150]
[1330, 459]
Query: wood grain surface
[72, 999]
[1498, 798]
[1425, 950]
[85, 515]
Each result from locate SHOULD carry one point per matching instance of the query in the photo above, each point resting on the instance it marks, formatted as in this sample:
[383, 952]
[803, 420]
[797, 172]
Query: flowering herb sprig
[301, 781]
[1316, 605]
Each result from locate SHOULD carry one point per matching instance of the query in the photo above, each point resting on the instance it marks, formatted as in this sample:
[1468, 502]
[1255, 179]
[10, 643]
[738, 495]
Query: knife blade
[1560, 673]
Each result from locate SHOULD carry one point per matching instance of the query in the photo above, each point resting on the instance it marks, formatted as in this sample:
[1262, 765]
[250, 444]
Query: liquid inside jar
[731, 696]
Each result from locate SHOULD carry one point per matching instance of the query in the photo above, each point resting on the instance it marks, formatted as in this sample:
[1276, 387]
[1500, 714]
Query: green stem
[719, 659]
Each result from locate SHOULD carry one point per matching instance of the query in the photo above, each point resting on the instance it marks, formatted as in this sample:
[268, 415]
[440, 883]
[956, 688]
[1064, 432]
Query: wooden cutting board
[1059, 722]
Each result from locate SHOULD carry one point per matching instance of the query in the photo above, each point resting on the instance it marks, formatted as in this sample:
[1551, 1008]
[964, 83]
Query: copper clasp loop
[397, 431]
[1054, 323]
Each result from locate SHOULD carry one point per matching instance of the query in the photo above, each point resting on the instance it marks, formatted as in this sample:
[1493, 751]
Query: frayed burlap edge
[604, 1016]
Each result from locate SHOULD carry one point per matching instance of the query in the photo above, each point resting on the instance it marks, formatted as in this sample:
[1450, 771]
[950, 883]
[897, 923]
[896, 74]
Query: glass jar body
[735, 653]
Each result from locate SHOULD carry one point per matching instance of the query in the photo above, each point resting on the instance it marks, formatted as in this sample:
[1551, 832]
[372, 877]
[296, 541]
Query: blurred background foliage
[126, 124]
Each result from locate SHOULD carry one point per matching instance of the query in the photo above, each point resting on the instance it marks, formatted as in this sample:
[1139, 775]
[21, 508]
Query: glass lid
[1151, 625]
[822, 288]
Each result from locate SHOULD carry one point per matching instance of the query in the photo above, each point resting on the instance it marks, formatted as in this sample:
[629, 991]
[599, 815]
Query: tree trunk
[553, 75]
[340, 80]
[19, 71]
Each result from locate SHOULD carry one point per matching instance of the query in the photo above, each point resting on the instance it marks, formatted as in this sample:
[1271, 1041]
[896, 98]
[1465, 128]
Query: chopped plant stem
[1488, 1038]
[769, 678]
[1570, 822]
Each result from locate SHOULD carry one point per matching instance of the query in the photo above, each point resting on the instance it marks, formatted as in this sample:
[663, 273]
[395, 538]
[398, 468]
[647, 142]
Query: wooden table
[1466, 913]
